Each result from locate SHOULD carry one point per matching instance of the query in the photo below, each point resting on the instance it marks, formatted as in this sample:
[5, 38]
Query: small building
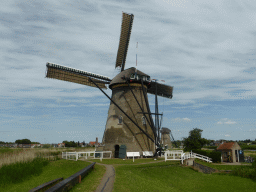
[61, 144]
[54, 145]
[35, 145]
[91, 143]
[230, 152]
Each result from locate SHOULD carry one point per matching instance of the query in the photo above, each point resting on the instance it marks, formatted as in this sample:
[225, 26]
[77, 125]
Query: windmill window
[143, 120]
[132, 76]
[120, 120]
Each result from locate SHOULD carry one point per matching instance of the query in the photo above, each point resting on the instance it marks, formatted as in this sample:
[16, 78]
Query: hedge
[215, 155]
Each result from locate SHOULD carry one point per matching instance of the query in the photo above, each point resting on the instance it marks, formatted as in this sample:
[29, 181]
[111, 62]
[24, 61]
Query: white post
[76, 156]
[165, 156]
[133, 157]
[101, 156]
[66, 155]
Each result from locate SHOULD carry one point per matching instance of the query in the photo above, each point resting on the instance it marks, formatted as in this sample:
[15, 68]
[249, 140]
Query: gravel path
[107, 182]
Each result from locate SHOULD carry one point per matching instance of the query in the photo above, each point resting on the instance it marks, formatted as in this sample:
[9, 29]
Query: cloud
[182, 119]
[226, 121]
[227, 135]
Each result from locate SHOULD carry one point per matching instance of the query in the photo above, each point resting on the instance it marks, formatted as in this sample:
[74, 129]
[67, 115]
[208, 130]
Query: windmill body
[119, 129]
[129, 121]
[166, 138]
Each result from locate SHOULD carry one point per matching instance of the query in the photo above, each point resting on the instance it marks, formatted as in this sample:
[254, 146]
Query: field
[170, 176]
[140, 175]
[250, 153]
[61, 168]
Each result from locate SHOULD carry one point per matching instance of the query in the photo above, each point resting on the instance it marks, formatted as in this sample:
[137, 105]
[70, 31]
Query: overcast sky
[205, 49]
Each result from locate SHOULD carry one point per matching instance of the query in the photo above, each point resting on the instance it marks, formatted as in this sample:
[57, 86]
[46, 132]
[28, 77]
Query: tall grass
[246, 171]
[13, 155]
[10, 156]
[20, 171]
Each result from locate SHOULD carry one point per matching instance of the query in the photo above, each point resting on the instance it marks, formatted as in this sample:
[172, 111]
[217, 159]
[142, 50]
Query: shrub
[215, 155]
[46, 146]
[245, 171]
[210, 147]
[250, 147]
[254, 164]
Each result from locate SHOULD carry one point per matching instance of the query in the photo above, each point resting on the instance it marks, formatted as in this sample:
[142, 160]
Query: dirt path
[107, 182]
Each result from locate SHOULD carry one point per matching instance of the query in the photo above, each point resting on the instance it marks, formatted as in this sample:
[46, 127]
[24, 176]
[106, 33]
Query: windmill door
[122, 151]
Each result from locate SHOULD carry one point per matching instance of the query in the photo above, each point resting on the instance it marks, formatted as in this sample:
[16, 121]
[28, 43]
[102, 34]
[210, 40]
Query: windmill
[129, 122]
[167, 138]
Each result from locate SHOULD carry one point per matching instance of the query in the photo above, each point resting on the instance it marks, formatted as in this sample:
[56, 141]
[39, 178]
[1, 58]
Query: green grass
[249, 147]
[170, 176]
[9, 150]
[18, 172]
[61, 168]
[218, 167]
[126, 161]
[92, 180]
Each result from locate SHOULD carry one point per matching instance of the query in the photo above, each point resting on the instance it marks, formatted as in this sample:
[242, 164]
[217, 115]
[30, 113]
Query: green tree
[26, 141]
[194, 141]
[18, 141]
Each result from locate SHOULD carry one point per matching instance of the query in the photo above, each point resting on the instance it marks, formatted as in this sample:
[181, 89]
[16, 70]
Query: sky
[204, 49]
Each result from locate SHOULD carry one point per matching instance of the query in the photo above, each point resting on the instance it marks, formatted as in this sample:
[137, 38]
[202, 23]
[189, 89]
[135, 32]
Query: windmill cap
[165, 130]
[126, 73]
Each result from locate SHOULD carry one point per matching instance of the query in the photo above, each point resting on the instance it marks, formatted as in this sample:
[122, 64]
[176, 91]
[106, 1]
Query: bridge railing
[179, 155]
[202, 157]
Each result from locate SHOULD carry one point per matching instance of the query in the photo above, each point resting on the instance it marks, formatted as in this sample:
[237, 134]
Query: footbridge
[179, 155]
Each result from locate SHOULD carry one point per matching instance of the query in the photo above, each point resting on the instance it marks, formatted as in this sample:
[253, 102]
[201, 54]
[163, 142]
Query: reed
[20, 171]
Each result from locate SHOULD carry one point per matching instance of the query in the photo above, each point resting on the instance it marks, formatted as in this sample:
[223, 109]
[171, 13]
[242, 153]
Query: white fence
[202, 157]
[179, 155]
[85, 155]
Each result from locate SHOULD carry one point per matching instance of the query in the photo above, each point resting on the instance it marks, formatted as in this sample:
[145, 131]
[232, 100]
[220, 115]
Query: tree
[194, 141]
[23, 141]
[78, 144]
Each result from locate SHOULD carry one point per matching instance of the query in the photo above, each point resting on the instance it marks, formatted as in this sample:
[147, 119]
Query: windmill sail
[162, 90]
[76, 76]
[124, 40]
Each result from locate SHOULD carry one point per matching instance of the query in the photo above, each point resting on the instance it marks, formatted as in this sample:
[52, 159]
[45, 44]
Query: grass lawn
[61, 168]
[220, 167]
[170, 176]
[91, 181]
